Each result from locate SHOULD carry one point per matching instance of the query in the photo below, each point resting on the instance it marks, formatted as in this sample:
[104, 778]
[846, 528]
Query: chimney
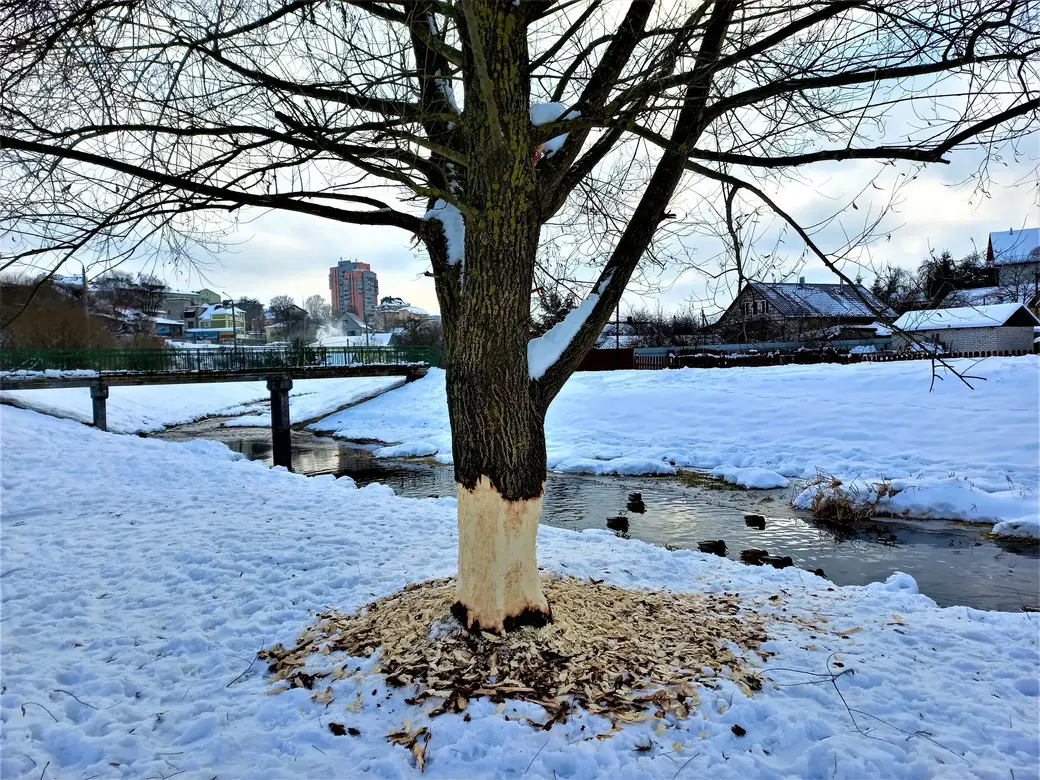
[801, 281]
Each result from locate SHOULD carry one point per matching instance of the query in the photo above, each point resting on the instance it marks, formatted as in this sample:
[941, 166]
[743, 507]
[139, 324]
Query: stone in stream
[717, 547]
[754, 556]
[635, 503]
[778, 561]
[618, 524]
[751, 520]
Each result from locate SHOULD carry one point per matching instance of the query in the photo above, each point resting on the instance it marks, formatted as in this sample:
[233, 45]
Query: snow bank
[868, 421]
[952, 498]
[758, 479]
[136, 596]
[154, 407]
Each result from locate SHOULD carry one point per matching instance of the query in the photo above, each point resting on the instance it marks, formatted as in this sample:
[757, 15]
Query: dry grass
[840, 505]
[612, 651]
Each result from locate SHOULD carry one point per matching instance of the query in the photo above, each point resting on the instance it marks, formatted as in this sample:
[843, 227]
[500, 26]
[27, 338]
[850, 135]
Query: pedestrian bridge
[99, 369]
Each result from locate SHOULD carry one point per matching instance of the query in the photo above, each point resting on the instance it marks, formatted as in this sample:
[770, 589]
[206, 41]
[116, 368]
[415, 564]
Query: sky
[278, 253]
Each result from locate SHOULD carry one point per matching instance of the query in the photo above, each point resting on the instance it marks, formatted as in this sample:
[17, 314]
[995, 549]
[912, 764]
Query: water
[952, 563]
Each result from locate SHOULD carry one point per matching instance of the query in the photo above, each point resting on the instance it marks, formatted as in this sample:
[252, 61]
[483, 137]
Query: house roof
[818, 300]
[216, 309]
[1013, 246]
[992, 316]
[164, 321]
[981, 296]
[353, 320]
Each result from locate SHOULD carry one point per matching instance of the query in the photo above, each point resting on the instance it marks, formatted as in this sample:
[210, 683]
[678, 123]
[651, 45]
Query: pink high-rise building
[354, 287]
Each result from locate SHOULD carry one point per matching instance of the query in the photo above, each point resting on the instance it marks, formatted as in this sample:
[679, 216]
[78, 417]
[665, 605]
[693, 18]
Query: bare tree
[527, 129]
[318, 309]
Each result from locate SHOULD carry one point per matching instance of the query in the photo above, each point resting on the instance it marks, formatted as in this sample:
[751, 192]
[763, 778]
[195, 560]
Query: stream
[953, 563]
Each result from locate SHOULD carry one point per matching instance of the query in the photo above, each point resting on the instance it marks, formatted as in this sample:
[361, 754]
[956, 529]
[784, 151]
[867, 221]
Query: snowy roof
[818, 300]
[216, 309]
[1013, 246]
[209, 330]
[164, 321]
[981, 296]
[965, 317]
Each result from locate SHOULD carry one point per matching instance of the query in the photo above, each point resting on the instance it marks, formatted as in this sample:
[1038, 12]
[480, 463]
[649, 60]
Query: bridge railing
[222, 359]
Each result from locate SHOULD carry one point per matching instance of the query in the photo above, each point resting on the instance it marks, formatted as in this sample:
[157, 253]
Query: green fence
[218, 359]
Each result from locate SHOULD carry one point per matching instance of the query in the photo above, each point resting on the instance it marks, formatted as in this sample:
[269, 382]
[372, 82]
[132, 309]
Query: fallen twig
[74, 696]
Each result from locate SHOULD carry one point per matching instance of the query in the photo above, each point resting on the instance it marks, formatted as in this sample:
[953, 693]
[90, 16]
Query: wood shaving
[612, 651]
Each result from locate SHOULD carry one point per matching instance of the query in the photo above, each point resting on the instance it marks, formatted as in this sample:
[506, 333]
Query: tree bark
[497, 420]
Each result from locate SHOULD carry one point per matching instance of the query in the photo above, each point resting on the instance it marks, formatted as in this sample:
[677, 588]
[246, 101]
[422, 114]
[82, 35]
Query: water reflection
[952, 563]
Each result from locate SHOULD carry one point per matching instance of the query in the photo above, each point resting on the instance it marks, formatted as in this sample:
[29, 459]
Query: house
[175, 302]
[287, 324]
[350, 324]
[798, 312]
[167, 328]
[1014, 255]
[392, 312]
[214, 322]
[982, 296]
[1002, 328]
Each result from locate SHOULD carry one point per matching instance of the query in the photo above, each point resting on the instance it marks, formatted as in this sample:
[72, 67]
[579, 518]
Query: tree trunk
[499, 448]
[497, 418]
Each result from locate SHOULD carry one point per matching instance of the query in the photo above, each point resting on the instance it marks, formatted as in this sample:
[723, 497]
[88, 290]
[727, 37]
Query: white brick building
[1005, 328]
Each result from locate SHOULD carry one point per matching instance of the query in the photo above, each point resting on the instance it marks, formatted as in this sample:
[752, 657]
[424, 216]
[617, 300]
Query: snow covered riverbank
[136, 596]
[759, 426]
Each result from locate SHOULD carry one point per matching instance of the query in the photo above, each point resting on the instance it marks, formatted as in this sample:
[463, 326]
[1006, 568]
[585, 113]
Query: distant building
[175, 302]
[167, 328]
[351, 325]
[393, 312]
[977, 330]
[354, 288]
[214, 322]
[792, 312]
[1015, 256]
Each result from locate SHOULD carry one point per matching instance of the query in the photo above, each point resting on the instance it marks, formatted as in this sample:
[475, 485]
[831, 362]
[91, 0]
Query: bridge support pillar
[281, 433]
[98, 399]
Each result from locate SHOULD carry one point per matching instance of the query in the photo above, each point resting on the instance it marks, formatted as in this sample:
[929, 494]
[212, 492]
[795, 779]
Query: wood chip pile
[609, 650]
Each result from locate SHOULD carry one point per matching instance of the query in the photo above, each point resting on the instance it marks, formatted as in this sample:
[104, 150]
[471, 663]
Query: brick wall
[1014, 339]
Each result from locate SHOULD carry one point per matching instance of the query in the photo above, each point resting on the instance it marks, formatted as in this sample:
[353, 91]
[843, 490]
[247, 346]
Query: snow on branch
[546, 113]
[544, 351]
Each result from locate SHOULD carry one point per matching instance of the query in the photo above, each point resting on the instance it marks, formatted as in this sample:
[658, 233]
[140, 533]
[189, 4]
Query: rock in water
[635, 503]
[716, 547]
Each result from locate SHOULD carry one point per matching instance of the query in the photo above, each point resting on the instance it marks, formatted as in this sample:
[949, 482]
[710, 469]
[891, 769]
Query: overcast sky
[290, 254]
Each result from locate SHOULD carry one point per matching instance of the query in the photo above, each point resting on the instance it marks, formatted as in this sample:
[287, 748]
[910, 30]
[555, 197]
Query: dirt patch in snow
[612, 651]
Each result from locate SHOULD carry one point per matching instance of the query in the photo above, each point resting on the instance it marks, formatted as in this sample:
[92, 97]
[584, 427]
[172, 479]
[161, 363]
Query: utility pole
[86, 308]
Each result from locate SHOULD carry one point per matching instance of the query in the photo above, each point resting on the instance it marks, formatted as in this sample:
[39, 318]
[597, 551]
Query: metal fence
[220, 359]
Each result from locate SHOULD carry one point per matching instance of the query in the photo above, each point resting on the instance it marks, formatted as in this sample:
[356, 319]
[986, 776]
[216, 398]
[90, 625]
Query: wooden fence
[707, 360]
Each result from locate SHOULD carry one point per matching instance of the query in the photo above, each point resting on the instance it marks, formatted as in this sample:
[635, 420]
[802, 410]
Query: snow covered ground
[759, 426]
[154, 407]
[136, 596]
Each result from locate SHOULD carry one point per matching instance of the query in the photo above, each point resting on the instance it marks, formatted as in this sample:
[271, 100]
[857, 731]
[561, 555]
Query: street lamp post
[234, 328]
